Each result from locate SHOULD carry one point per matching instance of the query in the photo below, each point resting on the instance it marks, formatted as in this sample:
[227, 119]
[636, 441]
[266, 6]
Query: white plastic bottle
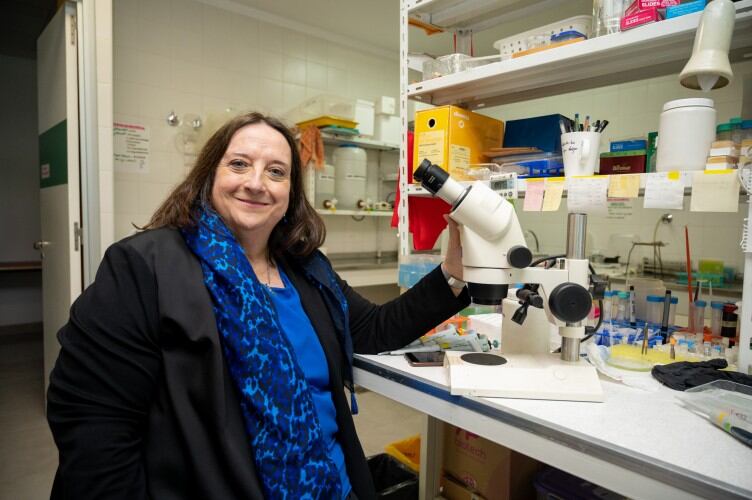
[325, 189]
[350, 162]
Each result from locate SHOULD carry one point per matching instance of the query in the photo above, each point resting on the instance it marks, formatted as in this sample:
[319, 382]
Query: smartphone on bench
[435, 358]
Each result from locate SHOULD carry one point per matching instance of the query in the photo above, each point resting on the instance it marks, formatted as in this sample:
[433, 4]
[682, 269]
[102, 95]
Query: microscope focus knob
[519, 256]
[570, 302]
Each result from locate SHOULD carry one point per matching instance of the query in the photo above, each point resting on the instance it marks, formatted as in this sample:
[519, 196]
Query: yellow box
[454, 138]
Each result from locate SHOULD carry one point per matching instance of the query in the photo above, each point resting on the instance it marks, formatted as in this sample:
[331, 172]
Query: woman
[208, 358]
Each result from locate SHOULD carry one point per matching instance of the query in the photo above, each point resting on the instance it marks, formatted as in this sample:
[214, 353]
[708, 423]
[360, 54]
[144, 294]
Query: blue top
[310, 354]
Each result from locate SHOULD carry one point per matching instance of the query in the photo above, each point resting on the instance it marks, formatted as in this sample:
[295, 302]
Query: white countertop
[648, 429]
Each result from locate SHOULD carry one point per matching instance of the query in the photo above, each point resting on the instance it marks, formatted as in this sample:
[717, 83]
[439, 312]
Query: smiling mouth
[252, 203]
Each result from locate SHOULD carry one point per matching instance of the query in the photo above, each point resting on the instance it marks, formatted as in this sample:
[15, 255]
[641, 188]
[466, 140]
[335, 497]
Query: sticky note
[533, 195]
[553, 190]
[587, 195]
[664, 190]
[715, 191]
[624, 186]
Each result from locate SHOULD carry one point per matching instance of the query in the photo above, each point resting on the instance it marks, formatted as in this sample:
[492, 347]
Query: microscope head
[492, 239]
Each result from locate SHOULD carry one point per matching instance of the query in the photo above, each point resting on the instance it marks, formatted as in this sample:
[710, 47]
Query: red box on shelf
[639, 18]
[633, 164]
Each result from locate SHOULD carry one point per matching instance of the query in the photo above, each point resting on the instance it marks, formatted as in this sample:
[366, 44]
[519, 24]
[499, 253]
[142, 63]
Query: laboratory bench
[640, 444]
[366, 269]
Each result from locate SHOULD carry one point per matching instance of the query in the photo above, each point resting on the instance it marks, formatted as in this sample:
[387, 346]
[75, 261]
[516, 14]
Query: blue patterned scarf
[280, 417]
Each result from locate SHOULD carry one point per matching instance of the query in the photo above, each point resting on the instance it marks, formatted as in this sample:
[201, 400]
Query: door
[59, 177]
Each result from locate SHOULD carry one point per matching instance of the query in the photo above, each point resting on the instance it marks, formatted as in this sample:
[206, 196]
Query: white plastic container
[325, 187]
[509, 46]
[388, 129]
[323, 105]
[685, 133]
[386, 105]
[364, 115]
[350, 163]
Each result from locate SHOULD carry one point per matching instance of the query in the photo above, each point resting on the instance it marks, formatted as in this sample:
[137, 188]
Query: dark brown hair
[299, 233]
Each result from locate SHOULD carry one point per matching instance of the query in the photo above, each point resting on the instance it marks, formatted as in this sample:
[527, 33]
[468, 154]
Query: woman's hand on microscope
[453, 260]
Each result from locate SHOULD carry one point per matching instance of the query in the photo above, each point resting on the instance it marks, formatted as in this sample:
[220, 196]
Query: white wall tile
[270, 37]
[317, 50]
[294, 71]
[186, 44]
[271, 64]
[155, 36]
[294, 44]
[186, 76]
[186, 15]
[270, 95]
[292, 95]
[154, 9]
[316, 75]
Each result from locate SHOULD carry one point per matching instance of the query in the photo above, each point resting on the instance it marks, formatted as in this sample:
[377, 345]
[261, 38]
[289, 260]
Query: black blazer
[140, 401]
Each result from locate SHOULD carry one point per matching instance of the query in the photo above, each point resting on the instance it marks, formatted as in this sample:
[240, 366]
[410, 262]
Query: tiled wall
[196, 58]
[633, 109]
[190, 57]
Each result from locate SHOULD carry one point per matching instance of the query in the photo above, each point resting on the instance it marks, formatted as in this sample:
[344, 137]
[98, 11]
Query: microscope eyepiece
[431, 176]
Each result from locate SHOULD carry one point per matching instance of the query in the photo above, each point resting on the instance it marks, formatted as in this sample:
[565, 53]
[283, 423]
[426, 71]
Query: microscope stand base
[525, 376]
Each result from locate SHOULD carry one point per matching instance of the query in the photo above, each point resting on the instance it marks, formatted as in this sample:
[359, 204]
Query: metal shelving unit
[657, 49]
[648, 51]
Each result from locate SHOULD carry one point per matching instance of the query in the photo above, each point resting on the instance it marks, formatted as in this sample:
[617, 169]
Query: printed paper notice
[587, 195]
[620, 208]
[459, 157]
[715, 191]
[431, 147]
[624, 186]
[533, 195]
[131, 147]
[554, 188]
[664, 190]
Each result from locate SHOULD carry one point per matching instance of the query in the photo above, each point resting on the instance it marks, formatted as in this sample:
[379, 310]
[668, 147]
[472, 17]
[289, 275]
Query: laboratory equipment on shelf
[325, 190]
[494, 256]
[350, 162]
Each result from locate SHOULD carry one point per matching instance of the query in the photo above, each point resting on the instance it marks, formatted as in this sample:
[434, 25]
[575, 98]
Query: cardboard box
[625, 164]
[454, 490]
[487, 469]
[454, 138]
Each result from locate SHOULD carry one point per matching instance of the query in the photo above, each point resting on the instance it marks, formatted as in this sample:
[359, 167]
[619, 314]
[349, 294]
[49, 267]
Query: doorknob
[39, 245]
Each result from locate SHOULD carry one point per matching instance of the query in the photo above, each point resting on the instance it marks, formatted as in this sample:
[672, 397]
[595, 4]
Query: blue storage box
[633, 145]
[534, 165]
[540, 132]
[684, 9]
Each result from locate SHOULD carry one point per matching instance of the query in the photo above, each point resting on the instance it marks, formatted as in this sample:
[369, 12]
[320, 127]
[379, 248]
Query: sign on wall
[131, 147]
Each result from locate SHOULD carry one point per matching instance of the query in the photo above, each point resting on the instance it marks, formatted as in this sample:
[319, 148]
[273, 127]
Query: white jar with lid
[350, 162]
[685, 134]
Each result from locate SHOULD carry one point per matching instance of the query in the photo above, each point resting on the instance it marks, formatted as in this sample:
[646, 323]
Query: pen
[587, 123]
[582, 127]
[597, 125]
[666, 309]
[576, 122]
[603, 125]
[632, 319]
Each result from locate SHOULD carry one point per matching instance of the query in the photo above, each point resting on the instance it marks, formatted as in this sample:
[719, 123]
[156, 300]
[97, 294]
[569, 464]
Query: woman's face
[251, 188]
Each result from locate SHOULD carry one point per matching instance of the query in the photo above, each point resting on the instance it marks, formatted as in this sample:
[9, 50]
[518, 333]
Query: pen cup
[580, 152]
